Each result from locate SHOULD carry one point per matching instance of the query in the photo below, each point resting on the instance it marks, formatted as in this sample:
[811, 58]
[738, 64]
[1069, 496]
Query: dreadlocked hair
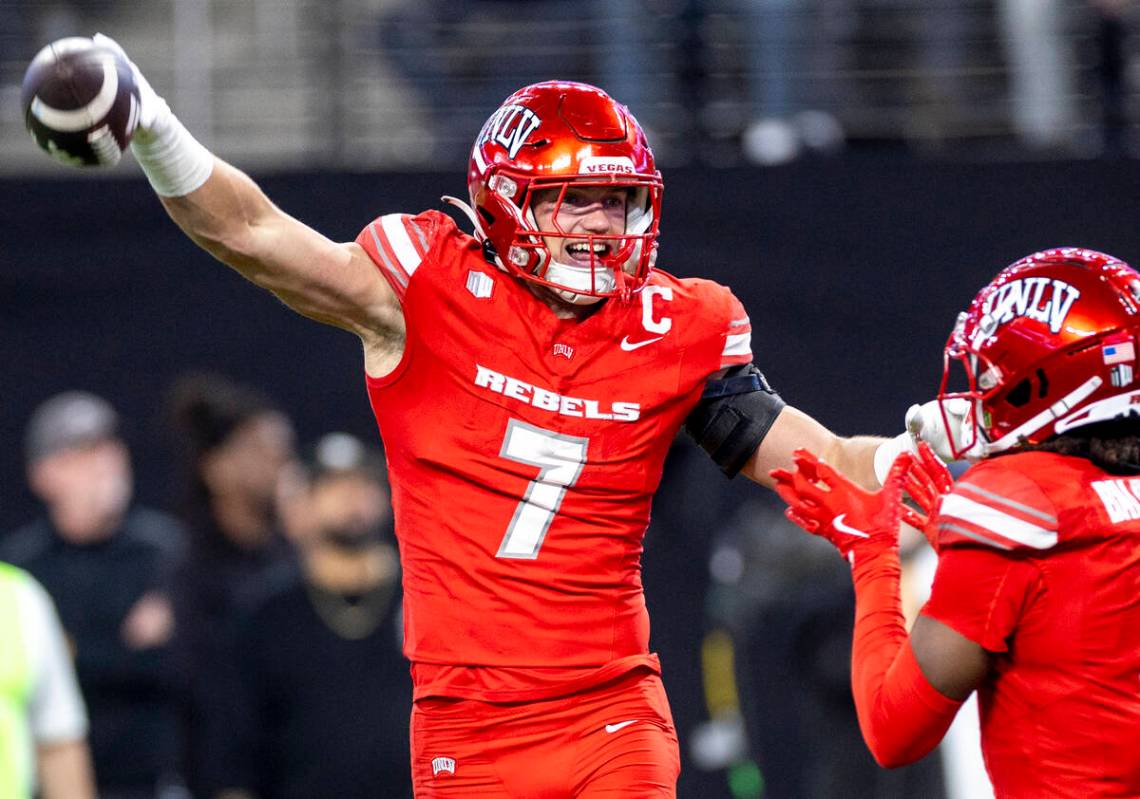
[1113, 446]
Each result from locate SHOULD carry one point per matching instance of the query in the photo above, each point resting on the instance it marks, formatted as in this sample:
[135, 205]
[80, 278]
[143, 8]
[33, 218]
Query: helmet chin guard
[561, 135]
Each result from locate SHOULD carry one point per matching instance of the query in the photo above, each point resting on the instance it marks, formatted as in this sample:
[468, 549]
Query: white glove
[926, 422]
[154, 113]
[173, 161]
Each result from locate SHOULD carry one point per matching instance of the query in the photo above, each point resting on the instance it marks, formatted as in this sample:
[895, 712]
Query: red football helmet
[560, 135]
[1049, 345]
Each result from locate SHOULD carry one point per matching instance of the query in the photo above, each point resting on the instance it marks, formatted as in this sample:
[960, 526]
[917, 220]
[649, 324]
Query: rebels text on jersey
[1040, 565]
[524, 451]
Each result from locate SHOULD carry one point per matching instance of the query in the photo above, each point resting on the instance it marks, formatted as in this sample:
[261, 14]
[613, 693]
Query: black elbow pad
[733, 416]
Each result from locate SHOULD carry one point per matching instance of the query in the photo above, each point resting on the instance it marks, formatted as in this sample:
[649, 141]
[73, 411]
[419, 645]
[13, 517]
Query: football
[80, 102]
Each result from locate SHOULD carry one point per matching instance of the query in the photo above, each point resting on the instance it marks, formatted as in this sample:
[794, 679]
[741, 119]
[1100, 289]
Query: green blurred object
[745, 780]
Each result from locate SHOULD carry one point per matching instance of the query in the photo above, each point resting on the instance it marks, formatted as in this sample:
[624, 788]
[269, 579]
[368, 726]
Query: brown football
[80, 102]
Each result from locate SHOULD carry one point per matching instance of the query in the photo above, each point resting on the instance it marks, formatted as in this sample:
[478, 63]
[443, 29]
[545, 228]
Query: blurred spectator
[792, 59]
[464, 56]
[43, 750]
[327, 691]
[107, 566]
[1042, 74]
[1112, 36]
[241, 459]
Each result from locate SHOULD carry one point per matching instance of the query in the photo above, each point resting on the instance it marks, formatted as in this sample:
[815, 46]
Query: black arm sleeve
[733, 416]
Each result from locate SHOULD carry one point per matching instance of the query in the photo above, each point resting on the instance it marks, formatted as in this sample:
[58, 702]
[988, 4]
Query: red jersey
[523, 452]
[1040, 564]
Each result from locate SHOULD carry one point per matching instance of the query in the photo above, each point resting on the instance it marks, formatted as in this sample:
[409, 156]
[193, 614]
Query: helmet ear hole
[1020, 394]
[1043, 390]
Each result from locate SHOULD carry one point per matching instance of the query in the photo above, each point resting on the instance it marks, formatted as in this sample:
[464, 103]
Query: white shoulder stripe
[966, 531]
[740, 344]
[397, 236]
[739, 322]
[392, 269]
[999, 522]
[998, 499]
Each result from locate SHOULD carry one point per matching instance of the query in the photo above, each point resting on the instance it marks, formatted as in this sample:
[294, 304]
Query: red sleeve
[398, 244]
[902, 716]
[982, 593]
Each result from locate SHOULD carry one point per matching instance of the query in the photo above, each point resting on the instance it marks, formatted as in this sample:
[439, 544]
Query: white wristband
[173, 161]
[890, 449]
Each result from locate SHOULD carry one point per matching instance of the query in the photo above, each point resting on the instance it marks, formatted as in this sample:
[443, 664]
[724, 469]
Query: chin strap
[469, 212]
[1057, 410]
[489, 253]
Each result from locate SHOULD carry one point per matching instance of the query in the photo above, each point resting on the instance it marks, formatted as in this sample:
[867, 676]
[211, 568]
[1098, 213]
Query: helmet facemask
[969, 383]
[617, 264]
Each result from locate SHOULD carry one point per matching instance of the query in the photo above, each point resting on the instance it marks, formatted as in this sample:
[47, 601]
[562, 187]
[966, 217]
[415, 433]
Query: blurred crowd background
[224, 569]
[365, 84]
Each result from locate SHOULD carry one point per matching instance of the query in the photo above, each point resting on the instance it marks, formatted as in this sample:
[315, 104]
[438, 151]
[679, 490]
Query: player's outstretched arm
[232, 219]
[223, 211]
[794, 429]
[747, 428]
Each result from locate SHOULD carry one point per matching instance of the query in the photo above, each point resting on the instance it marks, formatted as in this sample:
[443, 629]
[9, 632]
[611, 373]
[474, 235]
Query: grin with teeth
[581, 248]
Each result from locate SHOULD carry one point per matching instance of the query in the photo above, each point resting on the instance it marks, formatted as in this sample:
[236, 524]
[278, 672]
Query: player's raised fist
[81, 101]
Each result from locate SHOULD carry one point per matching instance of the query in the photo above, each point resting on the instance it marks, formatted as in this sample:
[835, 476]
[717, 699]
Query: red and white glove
[827, 504]
[927, 482]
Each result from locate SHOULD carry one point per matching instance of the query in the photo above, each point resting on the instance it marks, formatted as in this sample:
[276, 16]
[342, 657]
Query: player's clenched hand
[927, 481]
[153, 110]
[827, 504]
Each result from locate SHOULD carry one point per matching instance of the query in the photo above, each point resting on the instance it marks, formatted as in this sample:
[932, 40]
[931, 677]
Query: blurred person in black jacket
[240, 458]
[107, 565]
[326, 690]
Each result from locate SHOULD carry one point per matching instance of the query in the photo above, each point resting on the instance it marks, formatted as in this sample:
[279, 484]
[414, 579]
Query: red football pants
[613, 741]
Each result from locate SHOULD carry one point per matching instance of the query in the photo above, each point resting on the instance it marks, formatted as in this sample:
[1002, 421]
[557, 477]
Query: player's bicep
[792, 429]
[950, 661]
[334, 283]
[231, 218]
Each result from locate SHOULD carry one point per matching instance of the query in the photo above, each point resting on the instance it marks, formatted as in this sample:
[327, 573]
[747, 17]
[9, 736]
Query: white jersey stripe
[1000, 522]
[420, 235]
[392, 269]
[966, 531]
[400, 241]
[740, 344]
[739, 322]
[996, 498]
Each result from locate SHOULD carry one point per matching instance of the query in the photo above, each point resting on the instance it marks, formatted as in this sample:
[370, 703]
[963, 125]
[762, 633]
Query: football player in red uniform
[527, 381]
[1036, 598]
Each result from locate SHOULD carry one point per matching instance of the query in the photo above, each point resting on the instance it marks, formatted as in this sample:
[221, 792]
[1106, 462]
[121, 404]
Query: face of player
[584, 211]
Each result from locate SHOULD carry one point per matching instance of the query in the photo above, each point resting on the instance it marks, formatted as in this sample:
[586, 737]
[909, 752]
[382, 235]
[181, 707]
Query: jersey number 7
[559, 459]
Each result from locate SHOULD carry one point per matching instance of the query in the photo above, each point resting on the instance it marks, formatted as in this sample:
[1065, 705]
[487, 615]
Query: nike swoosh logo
[80, 118]
[838, 524]
[621, 725]
[630, 346]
